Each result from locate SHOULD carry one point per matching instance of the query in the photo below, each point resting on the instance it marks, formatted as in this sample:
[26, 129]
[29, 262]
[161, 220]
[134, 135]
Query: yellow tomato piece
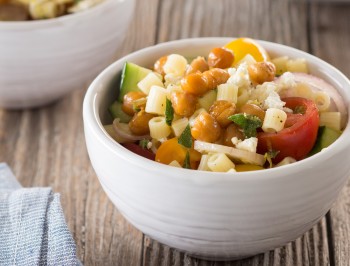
[247, 167]
[243, 46]
[171, 150]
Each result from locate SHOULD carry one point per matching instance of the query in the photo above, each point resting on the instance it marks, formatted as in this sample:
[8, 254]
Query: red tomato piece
[299, 135]
[140, 151]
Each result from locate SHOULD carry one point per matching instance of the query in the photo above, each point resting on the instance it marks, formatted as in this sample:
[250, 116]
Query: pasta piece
[156, 100]
[228, 92]
[297, 65]
[274, 120]
[44, 9]
[155, 145]
[303, 90]
[232, 170]
[322, 100]
[83, 5]
[249, 144]
[286, 160]
[172, 79]
[158, 128]
[175, 164]
[243, 97]
[331, 120]
[138, 103]
[175, 64]
[172, 88]
[150, 80]
[233, 153]
[248, 59]
[219, 162]
[207, 99]
[179, 125]
[280, 64]
[203, 164]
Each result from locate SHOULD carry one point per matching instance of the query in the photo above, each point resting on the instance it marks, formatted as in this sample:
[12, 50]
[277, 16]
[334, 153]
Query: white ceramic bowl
[40, 61]
[214, 215]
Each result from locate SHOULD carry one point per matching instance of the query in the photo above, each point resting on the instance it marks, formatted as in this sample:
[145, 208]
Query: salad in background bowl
[213, 214]
[22, 10]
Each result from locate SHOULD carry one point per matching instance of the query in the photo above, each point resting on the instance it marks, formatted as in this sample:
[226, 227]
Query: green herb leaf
[271, 154]
[187, 164]
[249, 123]
[185, 138]
[144, 143]
[169, 112]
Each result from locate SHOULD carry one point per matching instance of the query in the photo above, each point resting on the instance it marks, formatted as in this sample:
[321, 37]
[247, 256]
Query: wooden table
[46, 147]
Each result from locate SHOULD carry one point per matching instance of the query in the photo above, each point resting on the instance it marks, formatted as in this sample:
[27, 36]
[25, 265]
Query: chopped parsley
[187, 164]
[185, 138]
[144, 144]
[169, 112]
[249, 123]
[271, 154]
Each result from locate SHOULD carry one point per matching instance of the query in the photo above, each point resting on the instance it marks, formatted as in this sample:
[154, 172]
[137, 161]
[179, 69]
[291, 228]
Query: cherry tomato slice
[243, 46]
[140, 151]
[171, 150]
[299, 135]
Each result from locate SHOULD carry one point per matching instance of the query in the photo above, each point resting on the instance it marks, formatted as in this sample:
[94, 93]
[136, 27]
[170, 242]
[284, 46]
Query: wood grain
[310, 249]
[330, 27]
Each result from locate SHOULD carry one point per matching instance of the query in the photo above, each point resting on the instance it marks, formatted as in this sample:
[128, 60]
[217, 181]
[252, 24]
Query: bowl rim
[92, 120]
[32, 24]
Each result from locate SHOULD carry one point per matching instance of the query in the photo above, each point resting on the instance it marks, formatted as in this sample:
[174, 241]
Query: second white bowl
[40, 61]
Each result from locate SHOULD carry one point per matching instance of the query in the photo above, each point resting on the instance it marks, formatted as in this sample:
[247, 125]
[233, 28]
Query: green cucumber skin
[116, 111]
[131, 75]
[325, 137]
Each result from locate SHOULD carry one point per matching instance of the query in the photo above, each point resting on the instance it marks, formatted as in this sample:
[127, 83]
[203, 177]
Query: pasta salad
[20, 10]
[235, 110]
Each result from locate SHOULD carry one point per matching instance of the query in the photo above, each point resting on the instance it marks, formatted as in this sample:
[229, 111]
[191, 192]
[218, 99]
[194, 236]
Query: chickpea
[253, 109]
[129, 99]
[232, 131]
[138, 125]
[206, 128]
[215, 77]
[184, 103]
[221, 110]
[200, 83]
[261, 72]
[220, 57]
[195, 84]
[158, 65]
[198, 64]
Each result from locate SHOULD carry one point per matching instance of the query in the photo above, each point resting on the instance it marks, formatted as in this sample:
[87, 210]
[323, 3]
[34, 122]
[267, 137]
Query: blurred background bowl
[42, 60]
[214, 215]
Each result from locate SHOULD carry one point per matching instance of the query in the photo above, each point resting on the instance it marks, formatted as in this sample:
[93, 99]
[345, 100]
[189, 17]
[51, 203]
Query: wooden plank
[46, 147]
[309, 249]
[279, 21]
[330, 41]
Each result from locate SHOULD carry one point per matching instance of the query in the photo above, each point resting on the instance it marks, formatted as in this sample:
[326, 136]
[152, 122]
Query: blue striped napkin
[33, 230]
